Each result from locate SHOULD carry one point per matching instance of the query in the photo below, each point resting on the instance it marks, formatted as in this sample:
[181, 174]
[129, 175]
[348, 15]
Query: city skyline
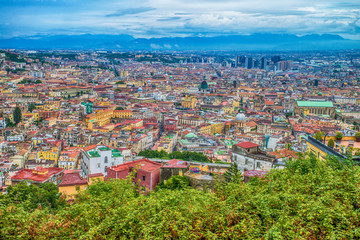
[163, 18]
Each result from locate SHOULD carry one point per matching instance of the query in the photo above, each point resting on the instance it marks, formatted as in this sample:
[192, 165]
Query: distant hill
[233, 42]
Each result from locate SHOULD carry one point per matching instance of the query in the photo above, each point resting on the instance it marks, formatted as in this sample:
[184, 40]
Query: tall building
[284, 65]
[249, 63]
[263, 63]
[275, 59]
[240, 61]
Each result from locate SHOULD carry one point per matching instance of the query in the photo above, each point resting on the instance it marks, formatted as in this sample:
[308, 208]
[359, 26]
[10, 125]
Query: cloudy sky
[169, 18]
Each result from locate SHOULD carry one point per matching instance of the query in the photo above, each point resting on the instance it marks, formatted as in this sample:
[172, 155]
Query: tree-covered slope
[307, 200]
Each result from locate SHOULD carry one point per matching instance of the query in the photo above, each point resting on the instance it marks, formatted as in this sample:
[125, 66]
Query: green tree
[357, 135]
[176, 182]
[233, 174]
[9, 123]
[319, 136]
[31, 107]
[38, 81]
[32, 196]
[308, 199]
[331, 143]
[339, 135]
[17, 115]
[119, 108]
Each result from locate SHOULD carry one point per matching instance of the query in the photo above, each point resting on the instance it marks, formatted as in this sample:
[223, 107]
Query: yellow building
[103, 103]
[36, 141]
[205, 129]
[100, 118]
[236, 104]
[212, 128]
[189, 102]
[72, 184]
[94, 178]
[125, 114]
[217, 128]
[69, 160]
[52, 105]
[51, 155]
[320, 150]
[228, 109]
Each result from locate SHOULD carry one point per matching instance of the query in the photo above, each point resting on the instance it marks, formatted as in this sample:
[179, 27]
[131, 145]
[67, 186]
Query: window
[246, 161]
[98, 165]
[144, 178]
[105, 169]
[106, 159]
[258, 165]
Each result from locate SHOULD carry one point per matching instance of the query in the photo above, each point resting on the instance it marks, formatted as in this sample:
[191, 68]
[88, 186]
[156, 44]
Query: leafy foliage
[185, 155]
[17, 115]
[309, 199]
[319, 136]
[331, 143]
[31, 107]
[174, 183]
[30, 197]
[338, 135]
[233, 174]
[357, 134]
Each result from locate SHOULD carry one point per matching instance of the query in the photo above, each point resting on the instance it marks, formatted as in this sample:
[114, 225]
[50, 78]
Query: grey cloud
[130, 11]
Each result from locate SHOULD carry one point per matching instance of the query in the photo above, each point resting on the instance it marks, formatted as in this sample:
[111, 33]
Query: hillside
[307, 200]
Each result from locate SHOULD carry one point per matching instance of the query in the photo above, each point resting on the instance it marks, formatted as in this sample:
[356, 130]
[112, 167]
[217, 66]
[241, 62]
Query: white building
[96, 159]
[2, 123]
[248, 156]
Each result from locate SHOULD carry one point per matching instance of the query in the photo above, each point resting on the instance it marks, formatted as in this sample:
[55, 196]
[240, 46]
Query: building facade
[248, 156]
[97, 158]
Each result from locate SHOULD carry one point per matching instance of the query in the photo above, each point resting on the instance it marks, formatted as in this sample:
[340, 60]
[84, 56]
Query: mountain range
[234, 42]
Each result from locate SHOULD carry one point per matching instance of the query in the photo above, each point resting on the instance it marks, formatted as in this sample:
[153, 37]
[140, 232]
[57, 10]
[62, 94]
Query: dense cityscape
[69, 116]
[184, 129]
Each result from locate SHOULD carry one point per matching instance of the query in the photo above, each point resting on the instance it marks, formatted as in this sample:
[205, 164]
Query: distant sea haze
[234, 42]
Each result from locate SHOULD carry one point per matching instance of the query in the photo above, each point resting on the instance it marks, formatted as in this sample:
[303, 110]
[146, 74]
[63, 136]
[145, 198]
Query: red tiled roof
[71, 179]
[175, 163]
[284, 153]
[38, 175]
[269, 103]
[143, 164]
[247, 145]
[96, 175]
[89, 147]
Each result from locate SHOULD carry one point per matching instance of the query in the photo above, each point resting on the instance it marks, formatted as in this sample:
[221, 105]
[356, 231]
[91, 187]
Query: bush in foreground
[307, 200]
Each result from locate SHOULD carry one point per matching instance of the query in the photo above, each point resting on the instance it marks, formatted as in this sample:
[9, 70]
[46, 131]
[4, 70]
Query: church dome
[204, 85]
[240, 117]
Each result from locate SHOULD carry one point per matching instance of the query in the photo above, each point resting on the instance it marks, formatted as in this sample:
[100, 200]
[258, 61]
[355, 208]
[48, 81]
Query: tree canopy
[17, 115]
[309, 199]
[31, 107]
[319, 136]
[185, 155]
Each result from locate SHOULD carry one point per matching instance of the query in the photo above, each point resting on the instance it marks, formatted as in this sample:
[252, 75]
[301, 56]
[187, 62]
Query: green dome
[204, 85]
[191, 135]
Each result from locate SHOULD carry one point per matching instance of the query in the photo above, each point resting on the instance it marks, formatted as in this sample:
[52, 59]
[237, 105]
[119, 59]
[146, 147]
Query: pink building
[170, 124]
[148, 172]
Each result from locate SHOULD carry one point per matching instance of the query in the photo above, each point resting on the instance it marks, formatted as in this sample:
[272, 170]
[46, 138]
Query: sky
[179, 18]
